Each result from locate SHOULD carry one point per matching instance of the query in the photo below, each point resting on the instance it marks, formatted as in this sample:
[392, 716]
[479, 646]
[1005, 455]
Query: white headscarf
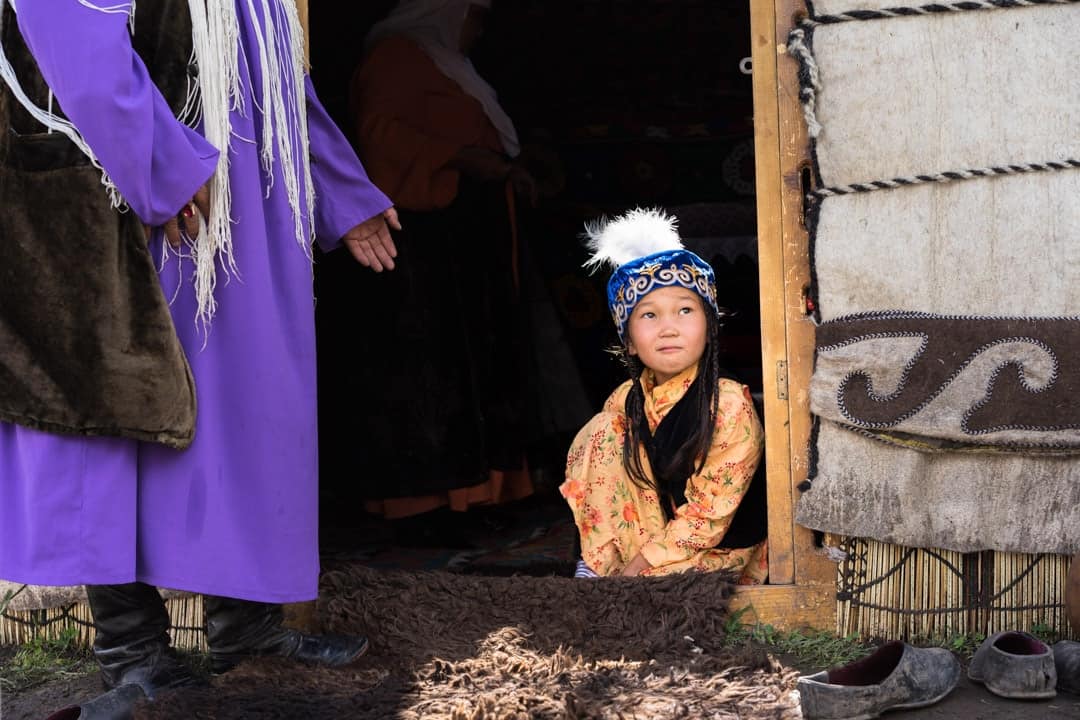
[435, 25]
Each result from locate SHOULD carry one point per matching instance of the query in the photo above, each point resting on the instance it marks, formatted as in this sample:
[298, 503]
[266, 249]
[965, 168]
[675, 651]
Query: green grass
[42, 660]
[965, 645]
[806, 649]
[819, 649]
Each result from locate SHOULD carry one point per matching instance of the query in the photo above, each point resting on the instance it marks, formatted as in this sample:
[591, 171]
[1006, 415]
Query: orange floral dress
[617, 519]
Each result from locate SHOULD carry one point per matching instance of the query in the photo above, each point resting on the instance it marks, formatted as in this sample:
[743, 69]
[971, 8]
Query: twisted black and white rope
[920, 315]
[944, 177]
[929, 9]
[809, 78]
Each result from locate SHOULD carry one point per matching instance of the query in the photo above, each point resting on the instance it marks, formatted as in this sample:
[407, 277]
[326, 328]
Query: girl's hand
[200, 203]
[370, 242]
[636, 566]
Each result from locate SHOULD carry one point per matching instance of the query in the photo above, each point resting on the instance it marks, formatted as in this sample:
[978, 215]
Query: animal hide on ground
[945, 242]
[458, 646]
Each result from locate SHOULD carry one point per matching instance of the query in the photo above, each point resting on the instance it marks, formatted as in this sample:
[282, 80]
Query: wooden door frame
[802, 586]
[802, 582]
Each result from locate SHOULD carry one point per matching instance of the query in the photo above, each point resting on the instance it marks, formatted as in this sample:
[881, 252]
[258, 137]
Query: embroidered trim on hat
[634, 280]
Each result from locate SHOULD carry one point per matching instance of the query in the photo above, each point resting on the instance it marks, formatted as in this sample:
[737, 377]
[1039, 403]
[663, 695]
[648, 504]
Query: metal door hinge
[781, 380]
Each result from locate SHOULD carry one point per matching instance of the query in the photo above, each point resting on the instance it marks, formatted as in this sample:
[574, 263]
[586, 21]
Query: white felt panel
[956, 501]
[909, 96]
[903, 97]
[1007, 246]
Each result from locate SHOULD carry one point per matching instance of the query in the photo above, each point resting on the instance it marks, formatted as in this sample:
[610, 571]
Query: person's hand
[523, 183]
[481, 163]
[200, 203]
[636, 566]
[370, 242]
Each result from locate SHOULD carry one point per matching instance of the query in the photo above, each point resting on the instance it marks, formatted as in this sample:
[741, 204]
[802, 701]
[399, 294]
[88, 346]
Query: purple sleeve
[103, 87]
[344, 196]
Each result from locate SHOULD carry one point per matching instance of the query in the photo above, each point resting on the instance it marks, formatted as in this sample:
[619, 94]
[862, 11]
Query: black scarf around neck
[750, 524]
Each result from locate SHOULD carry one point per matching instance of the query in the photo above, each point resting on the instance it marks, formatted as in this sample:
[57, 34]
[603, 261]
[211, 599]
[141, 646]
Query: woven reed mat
[469, 647]
[39, 597]
[44, 597]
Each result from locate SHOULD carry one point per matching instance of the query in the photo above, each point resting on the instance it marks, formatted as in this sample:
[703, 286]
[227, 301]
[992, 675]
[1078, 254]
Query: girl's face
[668, 331]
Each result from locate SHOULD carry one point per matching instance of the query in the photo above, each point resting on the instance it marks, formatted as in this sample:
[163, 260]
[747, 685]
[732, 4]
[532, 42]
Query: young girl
[655, 479]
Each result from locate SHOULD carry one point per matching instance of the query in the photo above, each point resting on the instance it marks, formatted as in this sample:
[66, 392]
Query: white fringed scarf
[217, 93]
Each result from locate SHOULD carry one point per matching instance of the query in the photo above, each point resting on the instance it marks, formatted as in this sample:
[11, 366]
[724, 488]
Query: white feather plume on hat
[640, 232]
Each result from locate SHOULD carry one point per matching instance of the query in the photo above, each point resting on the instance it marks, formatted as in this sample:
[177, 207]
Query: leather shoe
[895, 676]
[1067, 664]
[1015, 664]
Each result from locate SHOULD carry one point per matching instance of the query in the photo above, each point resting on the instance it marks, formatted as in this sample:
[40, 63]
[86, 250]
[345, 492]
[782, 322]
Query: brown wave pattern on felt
[1028, 390]
[471, 648]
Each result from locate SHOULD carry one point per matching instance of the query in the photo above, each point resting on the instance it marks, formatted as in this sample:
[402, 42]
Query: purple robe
[236, 513]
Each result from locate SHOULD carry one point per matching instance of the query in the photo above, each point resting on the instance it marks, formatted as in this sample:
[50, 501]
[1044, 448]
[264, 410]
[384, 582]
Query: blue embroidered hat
[644, 248]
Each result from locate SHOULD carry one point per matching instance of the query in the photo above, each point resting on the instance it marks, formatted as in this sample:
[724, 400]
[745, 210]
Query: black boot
[239, 629]
[132, 642]
[117, 704]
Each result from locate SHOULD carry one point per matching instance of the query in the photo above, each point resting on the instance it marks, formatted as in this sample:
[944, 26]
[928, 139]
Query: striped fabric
[584, 571]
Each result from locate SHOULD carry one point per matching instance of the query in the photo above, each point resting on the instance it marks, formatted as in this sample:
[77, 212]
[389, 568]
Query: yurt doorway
[622, 104]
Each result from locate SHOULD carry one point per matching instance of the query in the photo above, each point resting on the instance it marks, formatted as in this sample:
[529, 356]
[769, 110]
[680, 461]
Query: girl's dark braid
[635, 413]
[690, 456]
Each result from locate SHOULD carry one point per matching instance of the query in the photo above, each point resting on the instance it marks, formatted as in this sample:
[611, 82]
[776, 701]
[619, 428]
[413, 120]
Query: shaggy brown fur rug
[484, 648]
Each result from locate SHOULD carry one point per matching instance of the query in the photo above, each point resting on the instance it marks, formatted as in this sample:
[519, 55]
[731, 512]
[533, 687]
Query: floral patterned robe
[617, 519]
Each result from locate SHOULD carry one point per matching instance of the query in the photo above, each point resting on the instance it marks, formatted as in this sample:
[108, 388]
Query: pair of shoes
[896, 675]
[1067, 664]
[241, 629]
[1016, 665]
[116, 704]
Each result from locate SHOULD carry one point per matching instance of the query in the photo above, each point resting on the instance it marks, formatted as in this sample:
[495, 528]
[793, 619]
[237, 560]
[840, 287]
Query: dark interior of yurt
[618, 104]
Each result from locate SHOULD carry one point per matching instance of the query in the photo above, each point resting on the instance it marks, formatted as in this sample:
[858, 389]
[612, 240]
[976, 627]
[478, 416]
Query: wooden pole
[303, 616]
[1072, 595]
[302, 8]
